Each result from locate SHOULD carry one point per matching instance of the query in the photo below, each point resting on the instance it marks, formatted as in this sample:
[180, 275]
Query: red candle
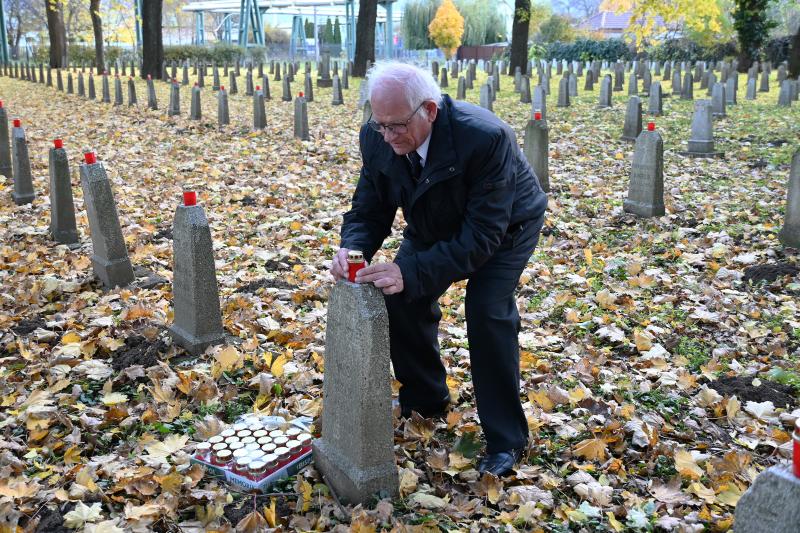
[149, 77]
[300, 94]
[796, 449]
[17, 123]
[58, 143]
[258, 87]
[90, 158]
[189, 198]
[355, 262]
[537, 115]
[1, 104]
[651, 126]
[221, 87]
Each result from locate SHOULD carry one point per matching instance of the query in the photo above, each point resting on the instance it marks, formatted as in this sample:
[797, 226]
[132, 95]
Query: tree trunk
[794, 55]
[519, 36]
[152, 38]
[97, 26]
[57, 32]
[365, 36]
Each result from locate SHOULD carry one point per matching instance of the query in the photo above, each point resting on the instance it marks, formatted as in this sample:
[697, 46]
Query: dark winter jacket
[475, 188]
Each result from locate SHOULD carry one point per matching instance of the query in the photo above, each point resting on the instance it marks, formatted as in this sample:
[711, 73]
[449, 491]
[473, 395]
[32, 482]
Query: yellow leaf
[70, 338]
[305, 492]
[729, 495]
[732, 407]
[591, 449]
[686, 466]
[229, 358]
[577, 394]
[162, 450]
[541, 399]
[171, 482]
[587, 254]
[276, 368]
[613, 522]
[17, 488]
[702, 492]
[408, 482]
[86, 479]
[643, 340]
[270, 513]
[72, 455]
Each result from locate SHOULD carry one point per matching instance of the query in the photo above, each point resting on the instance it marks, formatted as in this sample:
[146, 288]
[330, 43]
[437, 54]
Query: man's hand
[385, 276]
[339, 268]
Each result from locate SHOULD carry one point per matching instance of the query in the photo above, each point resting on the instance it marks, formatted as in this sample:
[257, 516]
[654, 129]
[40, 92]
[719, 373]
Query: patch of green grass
[667, 405]
[694, 351]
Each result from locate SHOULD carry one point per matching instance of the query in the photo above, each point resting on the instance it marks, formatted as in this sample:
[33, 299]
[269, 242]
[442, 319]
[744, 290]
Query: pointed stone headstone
[232, 86]
[194, 110]
[215, 80]
[152, 102]
[110, 260]
[21, 163]
[572, 83]
[62, 208]
[248, 83]
[486, 96]
[301, 118]
[646, 186]
[355, 454]
[539, 102]
[619, 72]
[770, 504]
[185, 74]
[730, 90]
[443, 78]
[536, 149]
[201, 76]
[633, 85]
[605, 92]
[790, 233]
[287, 95]
[59, 81]
[198, 319]
[764, 85]
[174, 99]
[633, 120]
[118, 98]
[337, 97]
[461, 90]
[718, 100]
[588, 84]
[308, 88]
[259, 112]
[92, 95]
[751, 89]
[81, 86]
[701, 141]
[785, 94]
[131, 92]
[223, 115]
[70, 86]
[563, 92]
[655, 104]
[106, 89]
[525, 90]
[687, 93]
[6, 168]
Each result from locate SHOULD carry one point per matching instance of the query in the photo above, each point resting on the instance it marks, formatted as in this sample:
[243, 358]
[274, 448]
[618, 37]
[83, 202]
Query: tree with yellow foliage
[700, 16]
[446, 28]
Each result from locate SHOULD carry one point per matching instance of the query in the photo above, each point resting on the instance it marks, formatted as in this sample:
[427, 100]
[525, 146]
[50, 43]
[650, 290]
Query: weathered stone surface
[223, 115]
[461, 90]
[633, 84]
[563, 92]
[633, 120]
[174, 100]
[106, 91]
[259, 111]
[5, 145]
[655, 103]
[646, 187]
[109, 255]
[701, 141]
[785, 94]
[718, 100]
[790, 233]
[195, 111]
[730, 90]
[605, 92]
[486, 96]
[687, 92]
[131, 92]
[751, 89]
[287, 91]
[23, 181]
[525, 90]
[337, 96]
[152, 102]
[355, 453]
[536, 150]
[62, 208]
[770, 504]
[301, 118]
[198, 320]
[539, 102]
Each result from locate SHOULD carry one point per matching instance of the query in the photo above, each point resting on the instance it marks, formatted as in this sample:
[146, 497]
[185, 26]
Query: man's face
[389, 106]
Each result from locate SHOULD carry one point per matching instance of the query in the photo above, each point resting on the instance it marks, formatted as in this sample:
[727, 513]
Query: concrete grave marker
[790, 233]
[70, 86]
[633, 85]
[718, 100]
[337, 97]
[287, 95]
[701, 141]
[6, 168]
[633, 120]
[23, 182]
[536, 149]
[233, 88]
[308, 87]
[486, 96]
[174, 99]
[301, 117]
[131, 92]
[92, 95]
[355, 454]
[223, 115]
[198, 319]
[751, 89]
[655, 103]
[106, 89]
[461, 90]
[109, 255]
[81, 86]
[785, 94]
[248, 83]
[770, 504]
[524, 90]
[563, 92]
[194, 110]
[687, 93]
[118, 98]
[646, 186]
[259, 112]
[605, 92]
[152, 102]
[730, 90]
[62, 208]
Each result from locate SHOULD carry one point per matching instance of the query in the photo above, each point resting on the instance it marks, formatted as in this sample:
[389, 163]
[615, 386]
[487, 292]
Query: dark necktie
[415, 161]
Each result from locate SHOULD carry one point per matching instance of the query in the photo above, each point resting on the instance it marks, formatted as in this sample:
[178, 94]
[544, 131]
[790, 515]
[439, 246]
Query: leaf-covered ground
[660, 369]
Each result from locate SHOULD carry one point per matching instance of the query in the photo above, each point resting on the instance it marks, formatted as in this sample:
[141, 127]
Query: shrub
[82, 54]
[688, 50]
[216, 53]
[777, 49]
[588, 50]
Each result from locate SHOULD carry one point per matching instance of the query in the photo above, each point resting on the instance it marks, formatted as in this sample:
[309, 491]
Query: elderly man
[473, 209]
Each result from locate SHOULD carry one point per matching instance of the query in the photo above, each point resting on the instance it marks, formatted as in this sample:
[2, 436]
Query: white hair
[418, 84]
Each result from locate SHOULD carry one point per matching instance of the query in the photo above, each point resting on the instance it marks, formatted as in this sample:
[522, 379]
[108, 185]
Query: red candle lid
[90, 158]
[174, 80]
[58, 143]
[537, 115]
[300, 94]
[1, 103]
[189, 198]
[651, 126]
[258, 87]
[221, 87]
[17, 123]
[130, 77]
[149, 77]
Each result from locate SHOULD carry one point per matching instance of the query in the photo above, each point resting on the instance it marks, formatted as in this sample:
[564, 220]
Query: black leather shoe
[500, 463]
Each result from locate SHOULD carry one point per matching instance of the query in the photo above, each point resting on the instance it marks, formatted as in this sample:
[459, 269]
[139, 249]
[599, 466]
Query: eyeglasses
[399, 128]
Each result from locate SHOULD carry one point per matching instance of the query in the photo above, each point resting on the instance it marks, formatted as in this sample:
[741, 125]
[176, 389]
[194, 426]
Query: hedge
[687, 50]
[588, 50]
[84, 55]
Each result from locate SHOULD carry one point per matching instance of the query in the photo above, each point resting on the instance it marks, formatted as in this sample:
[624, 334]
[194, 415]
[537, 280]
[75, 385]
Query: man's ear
[432, 109]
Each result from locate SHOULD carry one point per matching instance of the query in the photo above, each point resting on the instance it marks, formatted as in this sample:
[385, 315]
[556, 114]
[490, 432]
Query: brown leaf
[591, 449]
[252, 523]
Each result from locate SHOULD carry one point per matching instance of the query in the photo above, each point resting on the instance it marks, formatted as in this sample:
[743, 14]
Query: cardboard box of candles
[256, 451]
